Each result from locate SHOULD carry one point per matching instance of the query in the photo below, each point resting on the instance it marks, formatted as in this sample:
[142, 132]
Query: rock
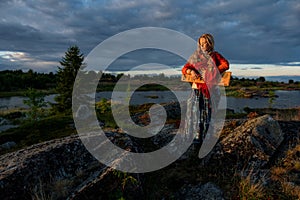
[58, 169]
[249, 146]
[165, 136]
[208, 191]
[3, 121]
[6, 124]
[8, 145]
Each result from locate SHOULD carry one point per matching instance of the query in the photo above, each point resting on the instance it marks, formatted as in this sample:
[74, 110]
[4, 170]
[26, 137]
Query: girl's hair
[210, 41]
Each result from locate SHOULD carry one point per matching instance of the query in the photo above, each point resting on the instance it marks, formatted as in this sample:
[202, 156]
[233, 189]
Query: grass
[287, 172]
[249, 190]
[38, 192]
[285, 176]
[14, 114]
[234, 93]
[32, 132]
[12, 93]
[54, 188]
[61, 188]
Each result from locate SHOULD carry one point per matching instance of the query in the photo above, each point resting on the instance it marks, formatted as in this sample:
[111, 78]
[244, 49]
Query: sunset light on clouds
[259, 38]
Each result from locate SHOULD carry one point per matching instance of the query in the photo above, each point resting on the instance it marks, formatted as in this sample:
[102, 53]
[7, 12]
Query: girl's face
[204, 45]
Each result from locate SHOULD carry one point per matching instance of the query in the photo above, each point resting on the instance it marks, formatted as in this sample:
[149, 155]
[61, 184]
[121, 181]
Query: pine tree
[71, 63]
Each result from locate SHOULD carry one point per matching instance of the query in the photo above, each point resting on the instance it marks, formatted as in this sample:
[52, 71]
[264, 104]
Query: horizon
[235, 73]
[281, 69]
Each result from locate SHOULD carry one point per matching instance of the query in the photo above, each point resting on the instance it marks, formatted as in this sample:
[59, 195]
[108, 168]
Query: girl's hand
[194, 75]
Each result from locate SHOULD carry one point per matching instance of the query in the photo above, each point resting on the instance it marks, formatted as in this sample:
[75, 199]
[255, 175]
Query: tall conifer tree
[70, 65]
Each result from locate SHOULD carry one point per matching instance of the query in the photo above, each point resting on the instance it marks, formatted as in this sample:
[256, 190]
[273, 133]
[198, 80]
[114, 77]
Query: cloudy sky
[257, 37]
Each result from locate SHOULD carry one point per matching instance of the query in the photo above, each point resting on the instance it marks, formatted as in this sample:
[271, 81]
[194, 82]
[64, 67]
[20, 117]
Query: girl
[208, 65]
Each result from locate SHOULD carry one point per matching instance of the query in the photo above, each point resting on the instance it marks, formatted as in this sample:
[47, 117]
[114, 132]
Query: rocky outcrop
[245, 151]
[58, 169]
[248, 149]
[64, 169]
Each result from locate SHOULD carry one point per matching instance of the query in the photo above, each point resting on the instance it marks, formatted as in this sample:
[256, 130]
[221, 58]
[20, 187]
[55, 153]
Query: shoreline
[21, 93]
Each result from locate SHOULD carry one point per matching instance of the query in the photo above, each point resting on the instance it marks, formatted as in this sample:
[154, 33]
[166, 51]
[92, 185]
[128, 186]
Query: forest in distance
[15, 82]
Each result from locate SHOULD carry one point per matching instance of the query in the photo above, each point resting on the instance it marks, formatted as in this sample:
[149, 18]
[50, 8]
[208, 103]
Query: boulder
[248, 147]
[58, 169]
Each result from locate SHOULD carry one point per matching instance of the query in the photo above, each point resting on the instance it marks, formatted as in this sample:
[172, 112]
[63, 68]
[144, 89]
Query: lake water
[17, 102]
[286, 99]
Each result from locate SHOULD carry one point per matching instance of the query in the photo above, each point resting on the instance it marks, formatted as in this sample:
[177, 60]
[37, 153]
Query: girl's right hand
[194, 75]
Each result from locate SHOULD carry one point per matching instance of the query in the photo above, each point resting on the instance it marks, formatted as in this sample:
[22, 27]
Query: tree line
[18, 80]
[14, 80]
[260, 82]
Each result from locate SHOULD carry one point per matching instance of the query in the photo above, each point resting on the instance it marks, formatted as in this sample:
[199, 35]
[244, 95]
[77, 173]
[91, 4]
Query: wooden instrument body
[225, 80]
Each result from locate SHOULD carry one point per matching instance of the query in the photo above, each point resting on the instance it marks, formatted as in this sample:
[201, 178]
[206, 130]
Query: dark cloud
[134, 59]
[245, 31]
